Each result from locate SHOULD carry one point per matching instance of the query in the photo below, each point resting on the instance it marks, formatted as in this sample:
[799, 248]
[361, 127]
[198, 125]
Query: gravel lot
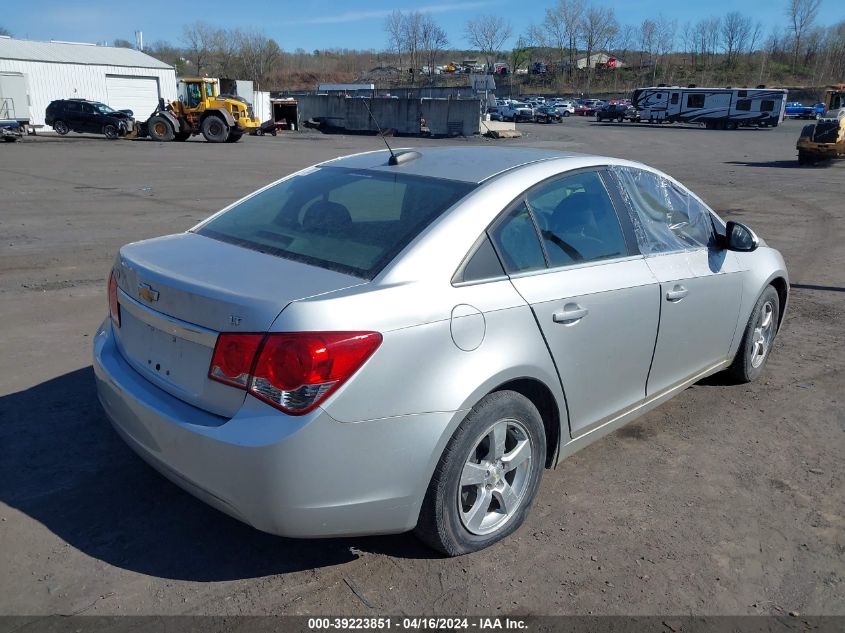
[726, 500]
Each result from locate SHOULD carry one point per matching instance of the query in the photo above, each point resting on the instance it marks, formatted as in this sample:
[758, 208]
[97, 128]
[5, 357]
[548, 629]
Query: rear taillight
[114, 306]
[233, 358]
[292, 371]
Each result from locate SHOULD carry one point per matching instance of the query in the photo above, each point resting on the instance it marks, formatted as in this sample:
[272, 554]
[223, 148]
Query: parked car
[797, 110]
[517, 111]
[547, 114]
[10, 131]
[81, 115]
[616, 112]
[565, 108]
[582, 109]
[416, 364]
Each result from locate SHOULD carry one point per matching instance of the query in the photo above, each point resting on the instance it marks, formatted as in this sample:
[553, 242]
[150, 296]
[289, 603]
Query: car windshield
[352, 221]
[102, 108]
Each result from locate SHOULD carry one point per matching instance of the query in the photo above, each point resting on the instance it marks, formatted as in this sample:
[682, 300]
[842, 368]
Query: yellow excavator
[200, 109]
[825, 138]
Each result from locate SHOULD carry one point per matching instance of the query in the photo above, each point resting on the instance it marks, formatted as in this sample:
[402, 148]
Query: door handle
[677, 293]
[571, 313]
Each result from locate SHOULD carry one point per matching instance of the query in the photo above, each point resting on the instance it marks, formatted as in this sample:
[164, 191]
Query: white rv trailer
[716, 108]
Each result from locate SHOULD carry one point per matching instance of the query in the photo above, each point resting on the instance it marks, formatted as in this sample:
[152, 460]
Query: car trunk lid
[178, 292]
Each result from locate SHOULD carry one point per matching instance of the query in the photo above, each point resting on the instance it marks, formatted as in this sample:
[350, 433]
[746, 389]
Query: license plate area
[163, 357]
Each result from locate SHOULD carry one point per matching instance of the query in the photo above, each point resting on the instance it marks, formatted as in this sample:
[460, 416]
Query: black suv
[616, 112]
[80, 115]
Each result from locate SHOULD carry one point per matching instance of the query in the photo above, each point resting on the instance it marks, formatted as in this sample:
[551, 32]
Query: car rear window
[352, 221]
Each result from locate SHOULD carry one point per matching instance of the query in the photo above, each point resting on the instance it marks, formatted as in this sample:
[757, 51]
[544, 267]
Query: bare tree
[5, 31]
[393, 28]
[562, 28]
[707, 36]
[521, 53]
[689, 41]
[198, 39]
[121, 43]
[411, 36]
[487, 34]
[226, 52]
[167, 53]
[755, 38]
[258, 55]
[736, 31]
[598, 26]
[648, 39]
[665, 35]
[552, 33]
[624, 42]
[620, 45]
[802, 14]
[432, 40]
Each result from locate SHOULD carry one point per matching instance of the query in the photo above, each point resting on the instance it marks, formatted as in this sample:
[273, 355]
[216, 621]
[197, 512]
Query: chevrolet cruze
[405, 341]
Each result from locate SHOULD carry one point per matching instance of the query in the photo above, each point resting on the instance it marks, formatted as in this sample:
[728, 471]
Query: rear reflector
[114, 306]
[293, 371]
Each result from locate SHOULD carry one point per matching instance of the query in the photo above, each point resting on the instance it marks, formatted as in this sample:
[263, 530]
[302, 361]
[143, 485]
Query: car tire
[160, 129]
[566, 113]
[110, 131]
[805, 158]
[620, 119]
[465, 507]
[214, 129]
[758, 338]
[60, 127]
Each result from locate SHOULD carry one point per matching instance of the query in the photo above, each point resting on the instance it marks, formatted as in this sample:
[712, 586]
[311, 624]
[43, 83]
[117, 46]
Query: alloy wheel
[495, 477]
[763, 335]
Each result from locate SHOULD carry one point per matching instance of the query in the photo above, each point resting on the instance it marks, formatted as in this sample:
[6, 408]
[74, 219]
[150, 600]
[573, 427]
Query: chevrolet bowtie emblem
[147, 293]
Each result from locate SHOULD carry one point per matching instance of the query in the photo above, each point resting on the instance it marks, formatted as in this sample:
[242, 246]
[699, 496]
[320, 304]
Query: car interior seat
[327, 217]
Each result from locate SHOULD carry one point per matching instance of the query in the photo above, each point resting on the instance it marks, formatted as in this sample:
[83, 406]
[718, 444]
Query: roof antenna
[395, 159]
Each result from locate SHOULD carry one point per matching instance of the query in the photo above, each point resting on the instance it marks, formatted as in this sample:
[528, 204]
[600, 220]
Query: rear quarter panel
[419, 368]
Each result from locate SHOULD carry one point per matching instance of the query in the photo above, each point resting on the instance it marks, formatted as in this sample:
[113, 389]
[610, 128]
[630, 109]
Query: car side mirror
[739, 237]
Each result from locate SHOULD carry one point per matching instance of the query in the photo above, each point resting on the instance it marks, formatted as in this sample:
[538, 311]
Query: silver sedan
[393, 342]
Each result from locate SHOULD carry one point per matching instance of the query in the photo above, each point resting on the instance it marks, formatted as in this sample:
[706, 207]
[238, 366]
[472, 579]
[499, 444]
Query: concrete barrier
[452, 117]
[444, 117]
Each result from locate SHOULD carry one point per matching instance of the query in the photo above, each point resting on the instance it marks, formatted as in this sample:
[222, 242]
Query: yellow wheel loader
[200, 109]
[825, 138]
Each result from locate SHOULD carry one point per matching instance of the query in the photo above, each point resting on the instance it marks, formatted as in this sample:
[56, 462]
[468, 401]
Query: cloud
[357, 16]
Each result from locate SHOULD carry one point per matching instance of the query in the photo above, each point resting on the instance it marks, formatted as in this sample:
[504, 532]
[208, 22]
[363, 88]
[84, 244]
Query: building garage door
[139, 94]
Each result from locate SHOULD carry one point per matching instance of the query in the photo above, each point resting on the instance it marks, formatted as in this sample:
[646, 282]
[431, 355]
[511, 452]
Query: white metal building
[120, 77]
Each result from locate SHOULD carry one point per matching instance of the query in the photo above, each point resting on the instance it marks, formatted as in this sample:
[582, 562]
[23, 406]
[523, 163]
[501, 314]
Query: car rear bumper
[304, 476]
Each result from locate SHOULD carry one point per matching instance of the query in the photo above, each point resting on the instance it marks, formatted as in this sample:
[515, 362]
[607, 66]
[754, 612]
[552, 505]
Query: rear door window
[353, 221]
[577, 220]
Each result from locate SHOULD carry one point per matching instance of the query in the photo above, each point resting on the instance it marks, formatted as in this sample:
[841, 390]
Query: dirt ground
[726, 500]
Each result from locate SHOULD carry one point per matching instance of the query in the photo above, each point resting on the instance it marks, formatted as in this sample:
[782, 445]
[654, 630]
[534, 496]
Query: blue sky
[317, 24]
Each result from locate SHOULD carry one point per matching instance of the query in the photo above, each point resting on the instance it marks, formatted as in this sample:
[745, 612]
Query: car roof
[467, 164]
